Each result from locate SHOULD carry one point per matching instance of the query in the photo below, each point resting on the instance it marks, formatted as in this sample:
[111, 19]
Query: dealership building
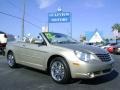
[94, 37]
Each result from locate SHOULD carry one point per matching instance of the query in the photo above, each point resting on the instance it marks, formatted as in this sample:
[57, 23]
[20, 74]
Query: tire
[11, 60]
[2, 52]
[59, 70]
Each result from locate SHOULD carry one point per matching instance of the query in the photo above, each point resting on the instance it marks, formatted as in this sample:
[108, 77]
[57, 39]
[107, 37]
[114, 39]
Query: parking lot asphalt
[24, 78]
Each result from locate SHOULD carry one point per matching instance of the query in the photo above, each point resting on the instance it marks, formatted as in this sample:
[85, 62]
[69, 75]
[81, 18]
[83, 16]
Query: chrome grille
[104, 57]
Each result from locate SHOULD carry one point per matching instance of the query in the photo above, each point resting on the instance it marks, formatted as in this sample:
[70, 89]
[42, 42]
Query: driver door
[35, 54]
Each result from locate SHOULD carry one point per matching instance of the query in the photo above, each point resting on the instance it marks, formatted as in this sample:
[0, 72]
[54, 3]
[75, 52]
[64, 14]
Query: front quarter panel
[79, 68]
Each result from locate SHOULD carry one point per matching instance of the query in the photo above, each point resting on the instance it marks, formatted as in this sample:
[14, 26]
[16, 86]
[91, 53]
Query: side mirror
[38, 41]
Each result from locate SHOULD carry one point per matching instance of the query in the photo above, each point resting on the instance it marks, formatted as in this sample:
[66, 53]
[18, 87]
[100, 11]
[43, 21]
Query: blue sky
[87, 15]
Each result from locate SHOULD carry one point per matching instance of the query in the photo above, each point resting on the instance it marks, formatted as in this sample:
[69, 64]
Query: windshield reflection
[58, 38]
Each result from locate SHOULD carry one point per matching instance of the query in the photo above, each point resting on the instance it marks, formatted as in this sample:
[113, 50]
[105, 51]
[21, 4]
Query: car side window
[26, 40]
[33, 40]
[36, 40]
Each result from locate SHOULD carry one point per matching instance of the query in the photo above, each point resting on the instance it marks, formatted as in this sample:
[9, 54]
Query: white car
[3, 42]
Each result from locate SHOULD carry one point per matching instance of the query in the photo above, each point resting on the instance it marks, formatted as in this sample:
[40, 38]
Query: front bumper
[87, 71]
[91, 75]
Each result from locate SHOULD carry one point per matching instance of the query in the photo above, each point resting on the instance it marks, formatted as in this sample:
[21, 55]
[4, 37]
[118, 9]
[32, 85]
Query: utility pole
[71, 32]
[23, 19]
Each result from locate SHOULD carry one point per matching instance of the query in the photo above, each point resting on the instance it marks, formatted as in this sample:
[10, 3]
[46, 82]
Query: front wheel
[59, 70]
[11, 60]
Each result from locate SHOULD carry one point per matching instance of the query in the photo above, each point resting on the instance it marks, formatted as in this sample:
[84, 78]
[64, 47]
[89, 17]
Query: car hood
[84, 48]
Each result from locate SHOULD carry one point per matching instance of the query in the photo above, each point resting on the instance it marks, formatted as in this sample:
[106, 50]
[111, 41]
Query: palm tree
[116, 27]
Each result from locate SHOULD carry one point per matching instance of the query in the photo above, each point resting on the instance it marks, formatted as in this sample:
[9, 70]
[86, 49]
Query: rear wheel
[59, 70]
[11, 60]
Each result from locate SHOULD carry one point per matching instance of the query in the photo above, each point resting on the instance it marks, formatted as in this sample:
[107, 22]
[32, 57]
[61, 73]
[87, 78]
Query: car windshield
[58, 38]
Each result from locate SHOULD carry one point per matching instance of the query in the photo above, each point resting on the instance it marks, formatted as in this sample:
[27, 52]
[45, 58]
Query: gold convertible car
[63, 57]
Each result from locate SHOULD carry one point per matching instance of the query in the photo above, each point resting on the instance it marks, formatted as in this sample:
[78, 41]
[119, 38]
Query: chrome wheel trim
[10, 59]
[57, 70]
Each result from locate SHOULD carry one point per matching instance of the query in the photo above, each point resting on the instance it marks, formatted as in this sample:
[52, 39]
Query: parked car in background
[3, 42]
[110, 49]
[113, 48]
[116, 49]
[108, 45]
[63, 57]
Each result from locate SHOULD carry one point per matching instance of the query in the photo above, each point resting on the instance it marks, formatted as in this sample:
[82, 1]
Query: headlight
[84, 56]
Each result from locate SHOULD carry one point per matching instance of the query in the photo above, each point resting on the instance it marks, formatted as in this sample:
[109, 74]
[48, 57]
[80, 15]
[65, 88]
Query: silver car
[63, 57]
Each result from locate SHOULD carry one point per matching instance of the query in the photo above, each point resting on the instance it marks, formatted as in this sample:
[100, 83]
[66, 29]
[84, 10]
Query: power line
[20, 19]
[11, 3]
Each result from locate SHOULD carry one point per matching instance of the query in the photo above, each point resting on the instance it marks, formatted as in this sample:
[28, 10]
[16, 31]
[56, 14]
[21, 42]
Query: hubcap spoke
[10, 59]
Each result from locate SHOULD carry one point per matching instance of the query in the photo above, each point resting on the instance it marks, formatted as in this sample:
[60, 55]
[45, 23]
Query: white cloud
[94, 3]
[45, 3]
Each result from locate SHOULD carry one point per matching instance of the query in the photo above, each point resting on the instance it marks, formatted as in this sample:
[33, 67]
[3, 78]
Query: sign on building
[59, 17]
